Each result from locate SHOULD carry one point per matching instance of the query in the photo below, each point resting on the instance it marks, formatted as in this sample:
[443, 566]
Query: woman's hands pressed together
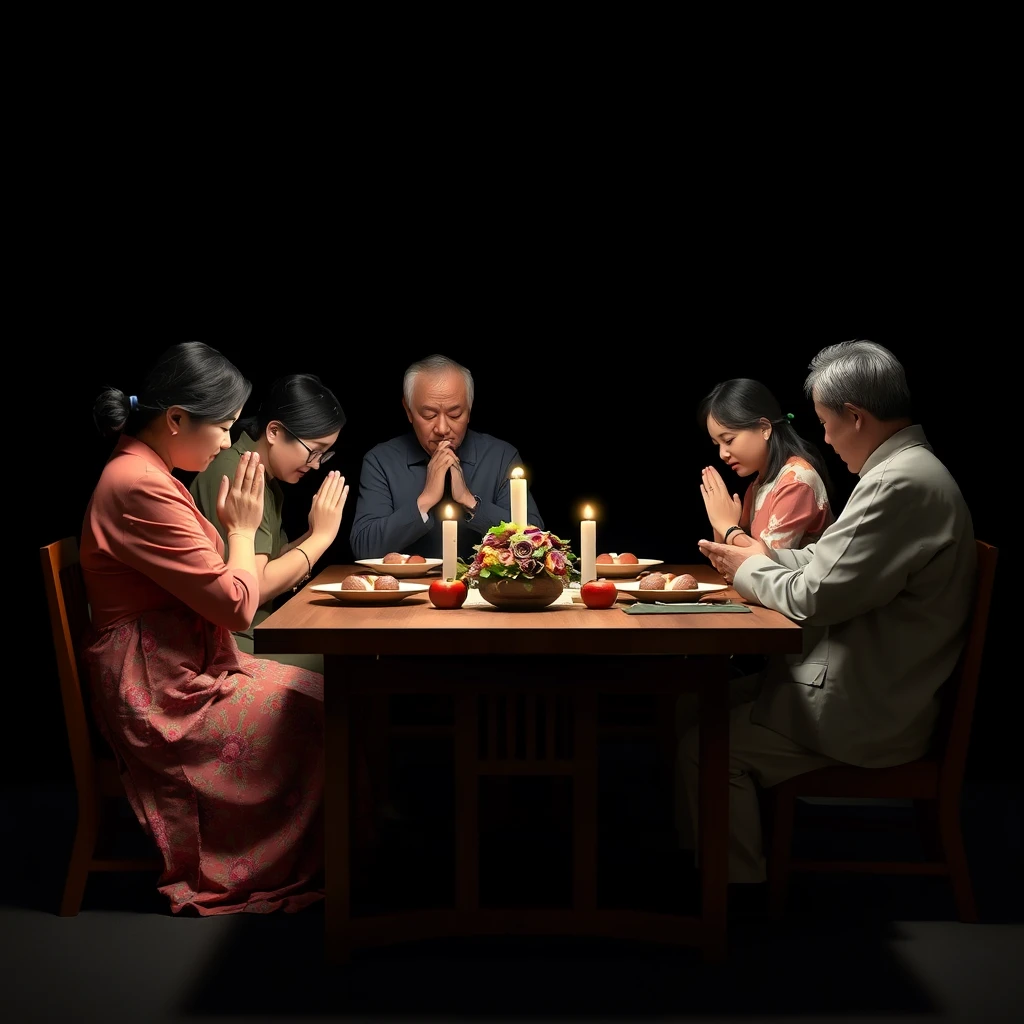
[240, 501]
[327, 508]
[723, 510]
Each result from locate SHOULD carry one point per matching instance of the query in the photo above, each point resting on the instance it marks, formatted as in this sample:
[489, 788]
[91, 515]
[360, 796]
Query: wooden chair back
[97, 779]
[933, 782]
[953, 730]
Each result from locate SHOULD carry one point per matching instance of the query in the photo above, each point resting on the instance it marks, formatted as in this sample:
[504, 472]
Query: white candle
[517, 487]
[588, 546]
[449, 545]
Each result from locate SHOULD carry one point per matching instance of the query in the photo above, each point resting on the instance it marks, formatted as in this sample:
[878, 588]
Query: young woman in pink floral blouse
[787, 504]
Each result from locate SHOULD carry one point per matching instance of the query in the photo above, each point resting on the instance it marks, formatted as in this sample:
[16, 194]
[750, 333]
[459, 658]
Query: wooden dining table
[531, 666]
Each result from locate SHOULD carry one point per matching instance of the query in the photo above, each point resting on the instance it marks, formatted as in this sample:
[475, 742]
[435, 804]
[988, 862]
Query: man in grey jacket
[883, 598]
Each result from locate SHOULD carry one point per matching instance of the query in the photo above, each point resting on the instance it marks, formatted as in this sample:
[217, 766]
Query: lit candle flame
[448, 512]
[517, 473]
[588, 512]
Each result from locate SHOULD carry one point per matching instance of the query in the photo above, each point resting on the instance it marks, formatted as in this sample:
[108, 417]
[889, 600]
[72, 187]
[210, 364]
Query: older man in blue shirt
[405, 483]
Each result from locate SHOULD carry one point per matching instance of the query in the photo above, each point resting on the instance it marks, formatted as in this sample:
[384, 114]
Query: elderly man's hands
[727, 558]
[443, 459]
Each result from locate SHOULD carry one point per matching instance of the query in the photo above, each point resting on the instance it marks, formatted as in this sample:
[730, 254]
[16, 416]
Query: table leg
[713, 810]
[584, 802]
[467, 805]
[337, 830]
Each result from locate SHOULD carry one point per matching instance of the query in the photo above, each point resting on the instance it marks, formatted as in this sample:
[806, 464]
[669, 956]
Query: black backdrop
[597, 291]
[600, 402]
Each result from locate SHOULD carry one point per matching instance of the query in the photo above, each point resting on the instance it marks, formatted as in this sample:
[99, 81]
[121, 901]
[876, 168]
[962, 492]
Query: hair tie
[133, 401]
[790, 417]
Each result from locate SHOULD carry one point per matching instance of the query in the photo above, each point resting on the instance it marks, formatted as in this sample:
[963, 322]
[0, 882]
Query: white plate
[618, 572]
[371, 596]
[632, 588]
[400, 570]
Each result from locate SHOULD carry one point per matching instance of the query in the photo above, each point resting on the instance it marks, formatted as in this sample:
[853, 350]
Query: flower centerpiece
[526, 565]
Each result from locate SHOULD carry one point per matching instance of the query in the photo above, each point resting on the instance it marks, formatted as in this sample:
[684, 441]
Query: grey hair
[862, 373]
[435, 365]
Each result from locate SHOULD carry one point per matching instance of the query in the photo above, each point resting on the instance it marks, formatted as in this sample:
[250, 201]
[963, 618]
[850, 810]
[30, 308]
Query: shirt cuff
[424, 516]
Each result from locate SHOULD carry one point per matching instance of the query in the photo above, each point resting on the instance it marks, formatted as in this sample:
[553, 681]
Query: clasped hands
[723, 511]
[443, 461]
[240, 501]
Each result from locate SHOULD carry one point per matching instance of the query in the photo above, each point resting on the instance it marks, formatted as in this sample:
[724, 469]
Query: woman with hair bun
[220, 753]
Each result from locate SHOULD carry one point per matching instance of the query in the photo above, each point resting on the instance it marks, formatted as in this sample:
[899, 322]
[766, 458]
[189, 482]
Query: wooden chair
[933, 783]
[95, 769]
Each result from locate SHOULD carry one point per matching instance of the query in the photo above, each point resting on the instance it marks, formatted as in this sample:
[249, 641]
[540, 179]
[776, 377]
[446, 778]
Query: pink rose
[138, 697]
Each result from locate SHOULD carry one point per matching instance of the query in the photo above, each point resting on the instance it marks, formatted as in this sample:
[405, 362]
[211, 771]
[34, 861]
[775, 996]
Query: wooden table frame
[369, 649]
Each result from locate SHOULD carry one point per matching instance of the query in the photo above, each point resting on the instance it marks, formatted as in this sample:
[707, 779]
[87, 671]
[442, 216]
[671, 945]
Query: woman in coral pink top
[221, 753]
[787, 504]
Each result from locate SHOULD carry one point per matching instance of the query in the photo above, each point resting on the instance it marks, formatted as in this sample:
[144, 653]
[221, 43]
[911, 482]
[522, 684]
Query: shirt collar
[908, 437]
[133, 446]
[244, 443]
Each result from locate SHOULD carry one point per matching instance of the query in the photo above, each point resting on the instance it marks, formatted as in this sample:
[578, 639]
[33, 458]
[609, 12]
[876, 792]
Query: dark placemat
[643, 608]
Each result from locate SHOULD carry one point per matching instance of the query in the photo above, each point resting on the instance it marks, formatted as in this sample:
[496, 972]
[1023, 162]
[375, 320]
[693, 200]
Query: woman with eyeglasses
[293, 430]
[220, 752]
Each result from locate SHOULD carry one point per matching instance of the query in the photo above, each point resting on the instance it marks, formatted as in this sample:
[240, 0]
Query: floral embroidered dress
[221, 753]
[790, 511]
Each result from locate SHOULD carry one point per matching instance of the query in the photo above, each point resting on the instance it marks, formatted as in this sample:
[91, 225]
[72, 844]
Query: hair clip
[133, 401]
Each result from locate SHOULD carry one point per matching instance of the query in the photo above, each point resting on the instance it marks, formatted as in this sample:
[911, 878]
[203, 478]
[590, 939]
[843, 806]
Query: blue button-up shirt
[392, 477]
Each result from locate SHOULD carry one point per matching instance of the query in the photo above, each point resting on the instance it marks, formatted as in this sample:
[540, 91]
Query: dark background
[600, 400]
[598, 267]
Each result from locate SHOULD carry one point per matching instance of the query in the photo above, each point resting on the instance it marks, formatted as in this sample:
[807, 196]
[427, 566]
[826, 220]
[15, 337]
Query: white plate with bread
[401, 570]
[348, 596]
[624, 570]
[668, 594]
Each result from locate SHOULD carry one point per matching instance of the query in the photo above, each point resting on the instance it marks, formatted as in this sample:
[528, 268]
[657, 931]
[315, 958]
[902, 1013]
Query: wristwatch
[470, 513]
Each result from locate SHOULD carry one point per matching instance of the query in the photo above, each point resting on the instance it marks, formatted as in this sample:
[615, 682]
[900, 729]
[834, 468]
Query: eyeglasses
[313, 456]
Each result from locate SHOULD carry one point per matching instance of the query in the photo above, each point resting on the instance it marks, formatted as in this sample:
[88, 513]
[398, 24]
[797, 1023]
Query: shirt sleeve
[827, 583]
[378, 526]
[792, 512]
[162, 537]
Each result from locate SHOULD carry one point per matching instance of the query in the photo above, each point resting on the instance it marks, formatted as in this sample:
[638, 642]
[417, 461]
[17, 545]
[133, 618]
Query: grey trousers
[757, 757]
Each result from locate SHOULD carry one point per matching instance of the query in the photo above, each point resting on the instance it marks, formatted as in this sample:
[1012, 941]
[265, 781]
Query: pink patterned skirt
[221, 754]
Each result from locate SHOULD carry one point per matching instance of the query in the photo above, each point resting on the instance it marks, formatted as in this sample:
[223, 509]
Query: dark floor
[852, 947]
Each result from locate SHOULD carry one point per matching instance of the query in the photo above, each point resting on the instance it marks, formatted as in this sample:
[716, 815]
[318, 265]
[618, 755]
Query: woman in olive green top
[293, 431]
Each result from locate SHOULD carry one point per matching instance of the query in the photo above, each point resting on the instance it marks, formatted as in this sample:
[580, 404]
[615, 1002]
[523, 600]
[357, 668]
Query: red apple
[447, 593]
[598, 593]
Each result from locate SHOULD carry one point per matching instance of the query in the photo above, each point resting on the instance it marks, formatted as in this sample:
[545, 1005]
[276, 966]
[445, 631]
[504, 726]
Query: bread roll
[358, 581]
[627, 558]
[394, 558]
[653, 581]
[604, 559]
[385, 583]
[668, 581]
[415, 558]
[683, 582]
